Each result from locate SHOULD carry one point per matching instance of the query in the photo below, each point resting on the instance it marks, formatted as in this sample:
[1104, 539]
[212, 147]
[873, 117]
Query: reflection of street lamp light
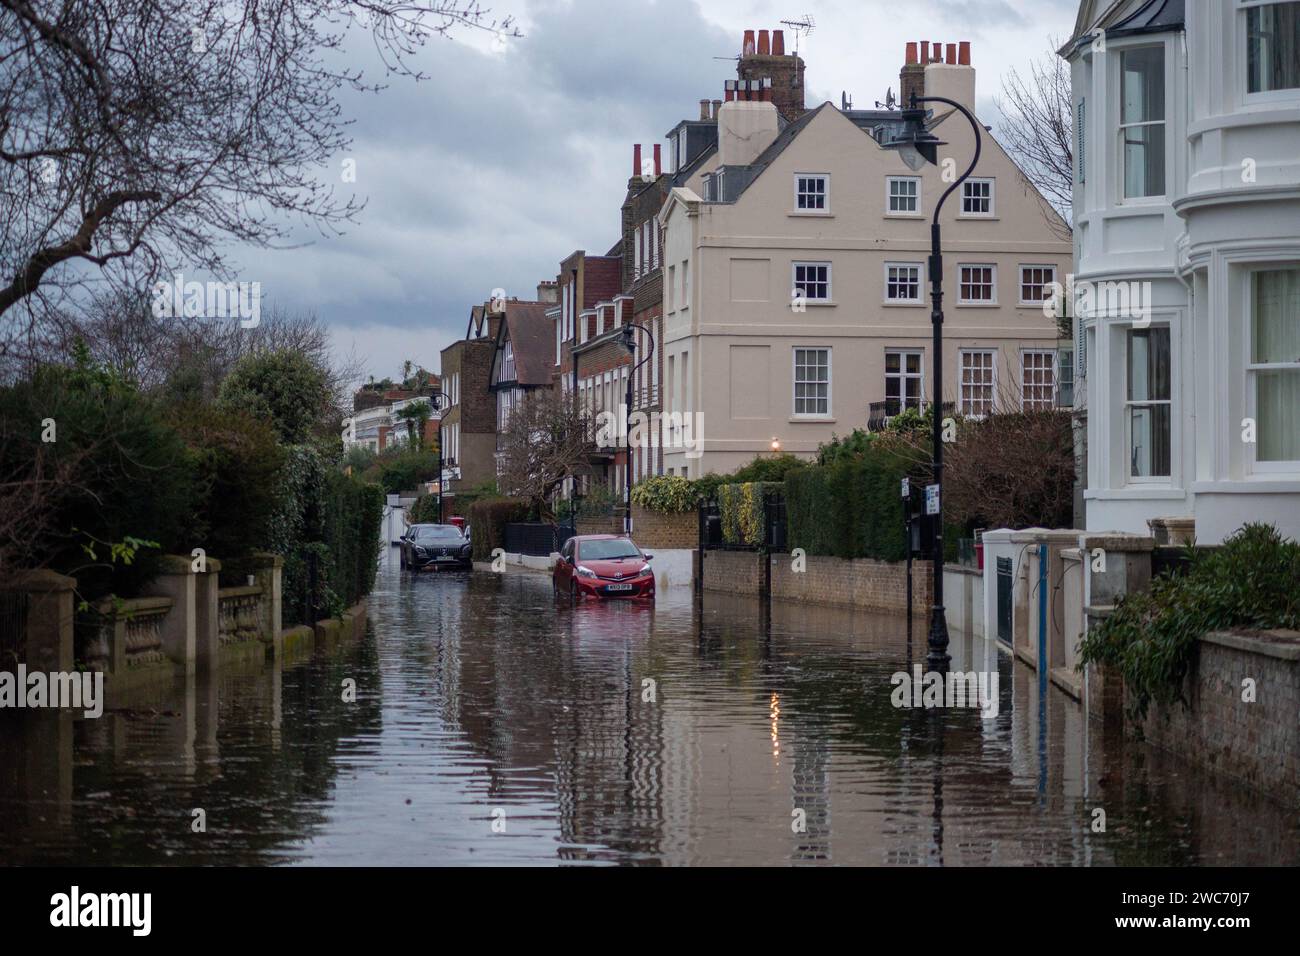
[917, 146]
[629, 343]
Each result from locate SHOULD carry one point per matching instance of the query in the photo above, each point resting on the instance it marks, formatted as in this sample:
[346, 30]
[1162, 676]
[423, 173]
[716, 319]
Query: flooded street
[493, 725]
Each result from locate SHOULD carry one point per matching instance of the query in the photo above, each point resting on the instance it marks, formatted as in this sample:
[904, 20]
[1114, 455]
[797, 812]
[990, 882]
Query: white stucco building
[1187, 240]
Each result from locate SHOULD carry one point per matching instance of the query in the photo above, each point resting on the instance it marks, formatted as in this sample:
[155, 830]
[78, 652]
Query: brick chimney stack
[763, 57]
[936, 69]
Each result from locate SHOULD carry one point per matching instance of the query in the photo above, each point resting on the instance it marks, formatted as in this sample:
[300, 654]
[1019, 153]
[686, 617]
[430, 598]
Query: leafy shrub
[283, 387]
[743, 513]
[488, 519]
[353, 512]
[237, 464]
[425, 510]
[767, 468]
[326, 527]
[1011, 471]
[855, 443]
[1252, 581]
[403, 468]
[670, 494]
[131, 477]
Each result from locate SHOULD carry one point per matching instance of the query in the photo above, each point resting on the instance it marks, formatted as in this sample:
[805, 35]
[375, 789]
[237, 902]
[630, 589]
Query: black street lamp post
[918, 147]
[629, 343]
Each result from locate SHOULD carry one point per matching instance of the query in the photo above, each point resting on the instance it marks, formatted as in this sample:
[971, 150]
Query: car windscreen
[607, 550]
[444, 532]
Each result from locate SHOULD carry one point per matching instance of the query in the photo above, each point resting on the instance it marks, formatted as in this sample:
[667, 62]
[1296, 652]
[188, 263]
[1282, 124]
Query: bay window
[1273, 373]
[1272, 47]
[1142, 121]
[1148, 404]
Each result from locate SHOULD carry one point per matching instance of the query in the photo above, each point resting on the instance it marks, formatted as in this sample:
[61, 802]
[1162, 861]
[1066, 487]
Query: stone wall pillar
[268, 571]
[47, 643]
[1172, 532]
[207, 616]
[1124, 568]
[177, 580]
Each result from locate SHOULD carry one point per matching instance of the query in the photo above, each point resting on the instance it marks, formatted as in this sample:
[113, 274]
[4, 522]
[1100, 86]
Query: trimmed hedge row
[849, 507]
[488, 519]
[742, 510]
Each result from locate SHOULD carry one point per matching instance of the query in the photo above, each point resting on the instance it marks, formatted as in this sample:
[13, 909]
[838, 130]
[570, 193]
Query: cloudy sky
[512, 155]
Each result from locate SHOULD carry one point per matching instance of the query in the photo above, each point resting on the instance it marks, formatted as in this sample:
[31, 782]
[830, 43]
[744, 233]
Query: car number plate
[618, 587]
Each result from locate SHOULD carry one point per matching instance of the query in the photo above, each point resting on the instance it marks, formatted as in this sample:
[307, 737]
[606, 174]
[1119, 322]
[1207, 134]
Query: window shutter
[1080, 348]
[1080, 133]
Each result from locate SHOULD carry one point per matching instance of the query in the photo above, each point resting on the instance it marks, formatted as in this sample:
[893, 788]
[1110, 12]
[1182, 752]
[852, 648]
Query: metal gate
[1004, 600]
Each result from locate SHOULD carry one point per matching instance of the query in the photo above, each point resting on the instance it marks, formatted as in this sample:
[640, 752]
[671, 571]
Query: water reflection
[493, 724]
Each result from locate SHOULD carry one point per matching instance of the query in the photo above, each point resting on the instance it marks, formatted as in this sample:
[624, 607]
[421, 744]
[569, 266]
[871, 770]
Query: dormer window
[1272, 47]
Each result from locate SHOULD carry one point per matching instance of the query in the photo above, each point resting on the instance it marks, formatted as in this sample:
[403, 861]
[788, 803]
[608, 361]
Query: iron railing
[879, 413]
[537, 539]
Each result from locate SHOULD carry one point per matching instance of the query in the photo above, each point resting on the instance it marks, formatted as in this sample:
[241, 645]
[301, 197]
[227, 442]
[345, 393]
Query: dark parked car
[436, 546]
[603, 565]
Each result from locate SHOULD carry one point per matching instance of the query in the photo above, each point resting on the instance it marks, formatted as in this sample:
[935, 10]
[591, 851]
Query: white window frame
[903, 375]
[1261, 97]
[918, 212]
[1050, 355]
[825, 210]
[1020, 286]
[1250, 368]
[1125, 405]
[1120, 126]
[794, 383]
[992, 211]
[963, 384]
[993, 279]
[794, 284]
[919, 298]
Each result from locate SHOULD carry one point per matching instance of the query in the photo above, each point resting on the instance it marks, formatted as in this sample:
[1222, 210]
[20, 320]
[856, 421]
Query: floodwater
[494, 725]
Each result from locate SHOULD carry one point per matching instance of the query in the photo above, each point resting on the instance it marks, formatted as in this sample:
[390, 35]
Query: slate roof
[533, 337]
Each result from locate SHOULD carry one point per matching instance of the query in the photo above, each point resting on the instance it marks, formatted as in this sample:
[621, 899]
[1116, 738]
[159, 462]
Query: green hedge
[488, 519]
[849, 507]
[330, 520]
[667, 494]
[742, 510]
[425, 510]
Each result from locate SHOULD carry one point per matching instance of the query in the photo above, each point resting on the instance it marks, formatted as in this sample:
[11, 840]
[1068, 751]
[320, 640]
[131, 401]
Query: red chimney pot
[936, 55]
[911, 53]
[925, 51]
[963, 53]
[636, 160]
[747, 47]
[658, 161]
[778, 43]
[952, 53]
[764, 47]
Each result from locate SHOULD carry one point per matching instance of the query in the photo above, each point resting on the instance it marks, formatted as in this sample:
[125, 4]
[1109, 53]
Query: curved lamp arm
[974, 125]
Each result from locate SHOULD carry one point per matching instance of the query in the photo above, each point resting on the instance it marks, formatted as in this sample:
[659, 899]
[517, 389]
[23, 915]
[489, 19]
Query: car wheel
[401, 559]
[573, 592]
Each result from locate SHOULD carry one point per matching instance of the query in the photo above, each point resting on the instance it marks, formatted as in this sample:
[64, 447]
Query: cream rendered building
[795, 294]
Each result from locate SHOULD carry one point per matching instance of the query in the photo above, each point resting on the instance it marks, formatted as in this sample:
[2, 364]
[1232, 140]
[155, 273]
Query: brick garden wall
[863, 582]
[606, 524]
[1257, 742]
[736, 572]
[655, 529]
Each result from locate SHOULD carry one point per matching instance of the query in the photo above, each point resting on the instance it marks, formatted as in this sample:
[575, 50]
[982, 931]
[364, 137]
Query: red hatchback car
[603, 565]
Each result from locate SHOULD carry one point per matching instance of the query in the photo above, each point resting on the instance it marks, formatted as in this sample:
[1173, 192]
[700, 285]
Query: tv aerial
[800, 28]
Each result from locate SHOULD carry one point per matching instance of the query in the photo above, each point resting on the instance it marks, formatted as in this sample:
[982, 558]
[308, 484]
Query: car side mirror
[648, 557]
